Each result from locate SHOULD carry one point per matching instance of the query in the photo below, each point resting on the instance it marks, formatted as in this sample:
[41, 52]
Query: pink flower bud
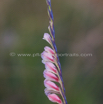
[49, 91]
[54, 98]
[50, 67]
[50, 76]
[47, 38]
[51, 86]
[47, 56]
[49, 50]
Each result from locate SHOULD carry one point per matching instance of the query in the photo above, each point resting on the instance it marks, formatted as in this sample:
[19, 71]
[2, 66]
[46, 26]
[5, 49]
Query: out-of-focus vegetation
[78, 28]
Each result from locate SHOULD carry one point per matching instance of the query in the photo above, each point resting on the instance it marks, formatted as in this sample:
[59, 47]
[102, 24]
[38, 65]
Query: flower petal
[49, 50]
[47, 56]
[49, 91]
[47, 38]
[50, 67]
[54, 98]
[51, 85]
[50, 76]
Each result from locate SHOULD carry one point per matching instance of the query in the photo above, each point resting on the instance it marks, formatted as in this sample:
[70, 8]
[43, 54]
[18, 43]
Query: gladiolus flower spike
[52, 72]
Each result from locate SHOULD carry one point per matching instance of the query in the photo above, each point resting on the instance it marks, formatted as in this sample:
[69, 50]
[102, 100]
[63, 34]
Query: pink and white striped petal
[47, 37]
[49, 50]
[50, 76]
[51, 86]
[50, 67]
[47, 56]
[54, 98]
[49, 91]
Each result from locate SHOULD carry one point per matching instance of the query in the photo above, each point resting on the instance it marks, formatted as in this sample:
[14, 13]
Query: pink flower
[54, 98]
[50, 76]
[47, 38]
[50, 67]
[51, 86]
[47, 56]
[49, 91]
[49, 50]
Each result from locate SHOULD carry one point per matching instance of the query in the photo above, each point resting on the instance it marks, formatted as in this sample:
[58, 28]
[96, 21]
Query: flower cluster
[53, 77]
[51, 72]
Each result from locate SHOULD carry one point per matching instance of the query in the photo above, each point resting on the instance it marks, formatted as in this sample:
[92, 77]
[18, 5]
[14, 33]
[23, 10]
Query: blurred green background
[78, 28]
